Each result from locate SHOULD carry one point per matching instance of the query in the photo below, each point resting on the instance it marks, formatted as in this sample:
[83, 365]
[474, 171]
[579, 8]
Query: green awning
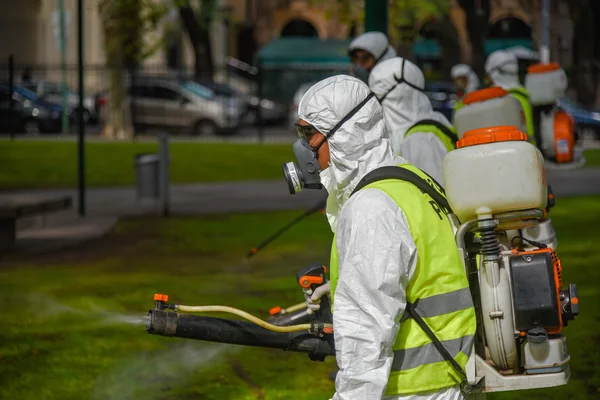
[430, 49]
[295, 51]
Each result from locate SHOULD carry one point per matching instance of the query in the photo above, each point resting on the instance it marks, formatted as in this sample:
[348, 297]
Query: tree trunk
[447, 37]
[477, 14]
[583, 38]
[118, 124]
[199, 37]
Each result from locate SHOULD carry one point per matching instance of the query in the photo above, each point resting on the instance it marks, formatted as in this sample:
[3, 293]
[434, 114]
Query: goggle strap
[346, 118]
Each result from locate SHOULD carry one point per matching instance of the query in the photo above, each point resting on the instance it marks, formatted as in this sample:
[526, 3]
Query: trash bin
[147, 170]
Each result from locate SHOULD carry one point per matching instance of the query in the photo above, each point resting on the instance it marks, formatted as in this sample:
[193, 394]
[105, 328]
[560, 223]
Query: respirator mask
[305, 174]
[360, 72]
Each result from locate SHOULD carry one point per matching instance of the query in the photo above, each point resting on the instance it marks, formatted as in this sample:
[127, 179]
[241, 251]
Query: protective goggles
[305, 132]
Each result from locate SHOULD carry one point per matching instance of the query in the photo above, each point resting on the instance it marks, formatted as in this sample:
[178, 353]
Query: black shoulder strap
[445, 130]
[392, 172]
[403, 174]
[436, 342]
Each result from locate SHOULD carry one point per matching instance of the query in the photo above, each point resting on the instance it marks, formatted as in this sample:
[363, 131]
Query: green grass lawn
[592, 158]
[72, 320]
[53, 164]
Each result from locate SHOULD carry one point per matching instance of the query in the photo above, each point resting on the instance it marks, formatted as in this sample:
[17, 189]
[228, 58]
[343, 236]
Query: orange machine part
[564, 137]
[484, 94]
[161, 297]
[491, 135]
[275, 310]
[308, 280]
[541, 68]
[558, 281]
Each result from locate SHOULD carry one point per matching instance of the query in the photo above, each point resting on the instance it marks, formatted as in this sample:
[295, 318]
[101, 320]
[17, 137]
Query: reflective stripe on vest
[523, 97]
[439, 291]
[427, 128]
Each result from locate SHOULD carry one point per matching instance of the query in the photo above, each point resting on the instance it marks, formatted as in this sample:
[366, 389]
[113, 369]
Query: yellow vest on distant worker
[521, 94]
[439, 291]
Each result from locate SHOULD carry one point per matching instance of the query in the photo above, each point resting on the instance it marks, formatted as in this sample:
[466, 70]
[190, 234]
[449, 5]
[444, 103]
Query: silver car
[183, 106]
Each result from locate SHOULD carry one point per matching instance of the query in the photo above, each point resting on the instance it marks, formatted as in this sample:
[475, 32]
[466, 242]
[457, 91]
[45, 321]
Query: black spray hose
[210, 329]
[281, 231]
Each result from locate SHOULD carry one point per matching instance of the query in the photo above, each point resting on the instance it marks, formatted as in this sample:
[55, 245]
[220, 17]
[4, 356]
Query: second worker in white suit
[417, 132]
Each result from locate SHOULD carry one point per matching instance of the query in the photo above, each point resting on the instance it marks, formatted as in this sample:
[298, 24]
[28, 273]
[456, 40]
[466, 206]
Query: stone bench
[22, 206]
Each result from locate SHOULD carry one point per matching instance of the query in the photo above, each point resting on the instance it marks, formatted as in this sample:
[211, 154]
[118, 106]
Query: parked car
[271, 112]
[181, 106]
[293, 113]
[29, 114]
[441, 94]
[587, 121]
[52, 93]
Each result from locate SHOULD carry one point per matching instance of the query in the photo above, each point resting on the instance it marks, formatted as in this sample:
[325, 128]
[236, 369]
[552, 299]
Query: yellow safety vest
[445, 133]
[439, 291]
[457, 106]
[521, 94]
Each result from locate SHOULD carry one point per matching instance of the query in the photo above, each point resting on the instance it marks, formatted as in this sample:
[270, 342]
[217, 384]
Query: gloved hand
[313, 299]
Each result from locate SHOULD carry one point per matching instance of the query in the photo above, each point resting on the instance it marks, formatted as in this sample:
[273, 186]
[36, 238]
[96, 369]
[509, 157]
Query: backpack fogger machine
[495, 183]
[554, 127]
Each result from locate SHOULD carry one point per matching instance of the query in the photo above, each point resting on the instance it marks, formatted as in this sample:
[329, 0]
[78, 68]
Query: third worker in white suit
[421, 135]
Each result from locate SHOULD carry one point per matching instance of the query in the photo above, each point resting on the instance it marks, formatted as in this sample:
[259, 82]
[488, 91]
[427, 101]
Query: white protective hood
[404, 105]
[375, 43]
[466, 71]
[359, 146]
[503, 69]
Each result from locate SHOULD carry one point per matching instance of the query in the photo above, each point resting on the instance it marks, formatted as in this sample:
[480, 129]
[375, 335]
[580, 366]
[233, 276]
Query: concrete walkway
[106, 205]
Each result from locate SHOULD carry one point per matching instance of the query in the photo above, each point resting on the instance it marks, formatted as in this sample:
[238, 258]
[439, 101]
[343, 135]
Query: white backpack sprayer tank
[495, 181]
[555, 129]
[488, 107]
[496, 107]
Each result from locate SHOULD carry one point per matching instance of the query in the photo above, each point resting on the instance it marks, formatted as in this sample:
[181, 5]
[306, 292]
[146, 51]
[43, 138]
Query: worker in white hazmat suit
[421, 135]
[465, 80]
[393, 256]
[502, 69]
[367, 50]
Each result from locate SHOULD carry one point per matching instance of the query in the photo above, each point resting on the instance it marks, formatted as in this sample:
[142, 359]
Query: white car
[293, 117]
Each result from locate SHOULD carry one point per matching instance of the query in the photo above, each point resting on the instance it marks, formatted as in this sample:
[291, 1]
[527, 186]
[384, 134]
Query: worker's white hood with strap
[378, 255]
[463, 70]
[503, 69]
[375, 43]
[359, 146]
[404, 103]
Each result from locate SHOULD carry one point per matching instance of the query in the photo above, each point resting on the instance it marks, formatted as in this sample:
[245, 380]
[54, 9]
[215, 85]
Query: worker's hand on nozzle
[313, 299]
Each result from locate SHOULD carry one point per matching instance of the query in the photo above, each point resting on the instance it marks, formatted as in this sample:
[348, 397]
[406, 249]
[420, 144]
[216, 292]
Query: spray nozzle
[161, 302]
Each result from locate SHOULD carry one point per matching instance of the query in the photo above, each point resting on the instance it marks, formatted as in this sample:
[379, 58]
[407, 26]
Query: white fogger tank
[555, 128]
[488, 107]
[496, 107]
[496, 181]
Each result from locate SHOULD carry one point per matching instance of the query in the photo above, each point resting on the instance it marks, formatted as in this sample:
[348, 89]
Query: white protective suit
[466, 71]
[377, 254]
[404, 106]
[503, 69]
[375, 43]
